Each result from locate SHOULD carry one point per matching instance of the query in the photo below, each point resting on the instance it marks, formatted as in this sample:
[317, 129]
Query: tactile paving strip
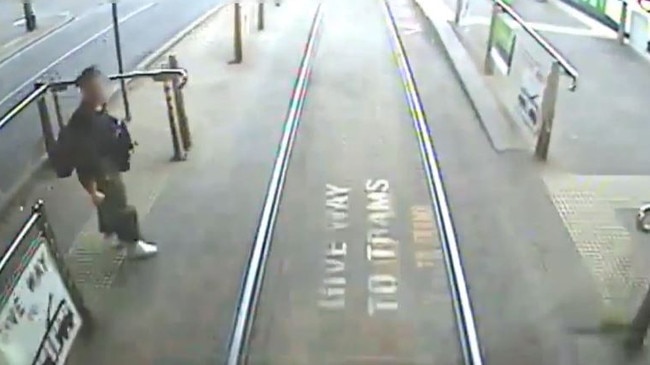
[604, 244]
[93, 264]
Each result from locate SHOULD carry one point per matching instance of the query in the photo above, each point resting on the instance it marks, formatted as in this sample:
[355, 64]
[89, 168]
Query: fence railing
[559, 65]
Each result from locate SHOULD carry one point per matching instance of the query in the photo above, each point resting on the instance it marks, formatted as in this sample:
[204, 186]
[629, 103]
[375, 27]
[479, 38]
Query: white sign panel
[38, 321]
[531, 92]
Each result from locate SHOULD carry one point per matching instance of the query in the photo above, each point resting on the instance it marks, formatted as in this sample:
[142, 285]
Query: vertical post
[57, 108]
[488, 65]
[120, 61]
[548, 111]
[622, 22]
[639, 326]
[46, 125]
[179, 103]
[73, 289]
[459, 9]
[260, 15]
[30, 17]
[237, 40]
[178, 154]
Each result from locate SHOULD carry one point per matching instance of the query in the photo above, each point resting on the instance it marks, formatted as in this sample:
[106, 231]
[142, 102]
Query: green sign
[598, 5]
[504, 41]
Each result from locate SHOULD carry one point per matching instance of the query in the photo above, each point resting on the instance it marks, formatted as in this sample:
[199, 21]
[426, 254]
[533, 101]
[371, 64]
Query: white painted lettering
[333, 266]
[332, 289]
[381, 249]
[383, 293]
[377, 185]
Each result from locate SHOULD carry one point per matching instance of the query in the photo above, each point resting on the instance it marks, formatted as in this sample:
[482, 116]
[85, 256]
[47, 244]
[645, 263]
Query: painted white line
[74, 50]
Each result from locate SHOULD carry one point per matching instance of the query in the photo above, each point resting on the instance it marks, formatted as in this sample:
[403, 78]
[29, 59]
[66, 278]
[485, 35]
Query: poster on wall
[38, 319]
[504, 44]
[531, 92]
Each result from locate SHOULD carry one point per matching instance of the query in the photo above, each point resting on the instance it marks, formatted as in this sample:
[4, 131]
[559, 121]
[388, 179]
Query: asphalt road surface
[145, 26]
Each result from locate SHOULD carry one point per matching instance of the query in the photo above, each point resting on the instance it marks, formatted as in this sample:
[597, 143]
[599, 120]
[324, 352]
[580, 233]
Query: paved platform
[602, 118]
[595, 196]
[354, 190]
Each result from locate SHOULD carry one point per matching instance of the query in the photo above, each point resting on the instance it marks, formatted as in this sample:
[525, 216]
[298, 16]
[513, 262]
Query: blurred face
[93, 90]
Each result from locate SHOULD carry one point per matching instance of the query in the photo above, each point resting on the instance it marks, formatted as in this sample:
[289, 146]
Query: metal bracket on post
[179, 102]
[237, 36]
[488, 65]
[179, 155]
[46, 124]
[622, 22]
[548, 112]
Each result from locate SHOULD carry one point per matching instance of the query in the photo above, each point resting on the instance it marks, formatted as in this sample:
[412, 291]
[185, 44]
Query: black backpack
[122, 145]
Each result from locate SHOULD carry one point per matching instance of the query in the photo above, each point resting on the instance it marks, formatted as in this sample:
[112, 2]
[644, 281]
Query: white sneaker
[141, 250]
[111, 241]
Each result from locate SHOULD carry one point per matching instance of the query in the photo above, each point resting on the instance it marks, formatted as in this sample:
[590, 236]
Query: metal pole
[622, 23]
[179, 101]
[260, 15]
[46, 126]
[178, 154]
[639, 327]
[120, 62]
[30, 17]
[459, 10]
[237, 40]
[548, 111]
[57, 108]
[488, 65]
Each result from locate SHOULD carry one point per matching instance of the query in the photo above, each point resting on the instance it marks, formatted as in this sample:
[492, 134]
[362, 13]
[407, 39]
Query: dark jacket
[85, 144]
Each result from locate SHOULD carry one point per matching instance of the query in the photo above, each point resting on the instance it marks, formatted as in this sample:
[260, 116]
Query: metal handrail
[567, 67]
[30, 223]
[41, 88]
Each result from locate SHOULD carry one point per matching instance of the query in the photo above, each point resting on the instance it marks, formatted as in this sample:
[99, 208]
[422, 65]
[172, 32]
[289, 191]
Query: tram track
[436, 203]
